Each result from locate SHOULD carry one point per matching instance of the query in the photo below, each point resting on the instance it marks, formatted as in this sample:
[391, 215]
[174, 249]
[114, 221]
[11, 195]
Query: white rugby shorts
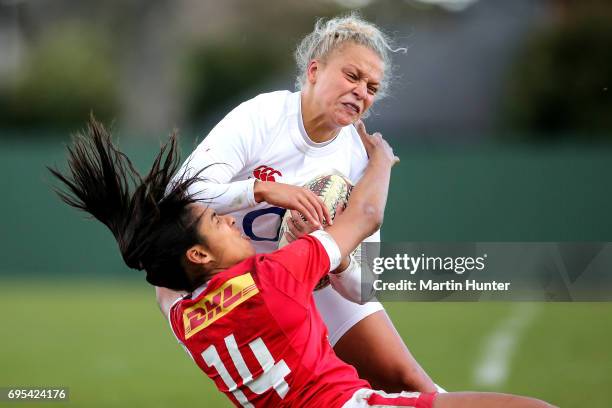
[339, 314]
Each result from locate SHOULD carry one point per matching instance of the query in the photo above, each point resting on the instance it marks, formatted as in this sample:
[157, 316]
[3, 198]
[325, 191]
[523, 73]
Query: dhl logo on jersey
[218, 303]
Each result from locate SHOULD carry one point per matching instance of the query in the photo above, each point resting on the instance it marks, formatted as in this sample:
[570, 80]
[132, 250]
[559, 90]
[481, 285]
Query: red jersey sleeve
[297, 267]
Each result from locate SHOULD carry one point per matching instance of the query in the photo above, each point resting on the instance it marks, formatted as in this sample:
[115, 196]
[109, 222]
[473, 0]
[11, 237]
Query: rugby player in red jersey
[250, 322]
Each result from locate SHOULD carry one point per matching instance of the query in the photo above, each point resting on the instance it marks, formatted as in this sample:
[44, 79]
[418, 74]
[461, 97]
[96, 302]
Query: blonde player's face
[345, 86]
[224, 241]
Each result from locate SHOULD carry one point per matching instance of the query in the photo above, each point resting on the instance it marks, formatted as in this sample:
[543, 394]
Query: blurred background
[500, 110]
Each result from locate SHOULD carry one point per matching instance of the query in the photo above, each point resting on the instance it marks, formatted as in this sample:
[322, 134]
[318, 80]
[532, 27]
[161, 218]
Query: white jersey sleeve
[218, 158]
[348, 283]
[353, 283]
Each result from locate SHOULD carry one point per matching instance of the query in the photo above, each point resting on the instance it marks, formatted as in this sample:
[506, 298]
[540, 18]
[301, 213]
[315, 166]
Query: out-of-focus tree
[562, 83]
[68, 74]
[216, 74]
[255, 50]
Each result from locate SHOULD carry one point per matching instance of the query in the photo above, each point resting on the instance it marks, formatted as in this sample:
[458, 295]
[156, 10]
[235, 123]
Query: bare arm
[365, 210]
[347, 279]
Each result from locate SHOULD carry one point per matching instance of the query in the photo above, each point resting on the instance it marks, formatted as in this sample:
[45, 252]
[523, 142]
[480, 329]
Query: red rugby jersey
[255, 331]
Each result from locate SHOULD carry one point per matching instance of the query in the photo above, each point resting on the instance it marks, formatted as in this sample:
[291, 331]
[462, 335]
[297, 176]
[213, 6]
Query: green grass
[563, 356]
[110, 345]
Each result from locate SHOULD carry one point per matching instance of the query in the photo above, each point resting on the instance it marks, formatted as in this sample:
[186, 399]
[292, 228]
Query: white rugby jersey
[264, 138]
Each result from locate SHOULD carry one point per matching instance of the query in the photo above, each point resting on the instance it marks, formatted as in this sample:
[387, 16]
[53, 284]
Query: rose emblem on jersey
[266, 173]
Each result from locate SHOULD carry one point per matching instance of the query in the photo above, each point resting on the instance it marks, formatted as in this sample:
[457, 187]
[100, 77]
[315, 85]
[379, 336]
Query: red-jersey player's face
[224, 241]
[347, 82]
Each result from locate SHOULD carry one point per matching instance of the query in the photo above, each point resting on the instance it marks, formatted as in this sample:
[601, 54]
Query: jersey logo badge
[265, 173]
[218, 303]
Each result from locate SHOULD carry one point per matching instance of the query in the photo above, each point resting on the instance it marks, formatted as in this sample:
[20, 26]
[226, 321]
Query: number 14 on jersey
[273, 376]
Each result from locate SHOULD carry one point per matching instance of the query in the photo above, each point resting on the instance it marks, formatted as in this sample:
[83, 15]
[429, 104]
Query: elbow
[377, 224]
[373, 216]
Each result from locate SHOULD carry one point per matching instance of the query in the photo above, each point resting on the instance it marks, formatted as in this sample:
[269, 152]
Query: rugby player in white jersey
[259, 154]
[284, 358]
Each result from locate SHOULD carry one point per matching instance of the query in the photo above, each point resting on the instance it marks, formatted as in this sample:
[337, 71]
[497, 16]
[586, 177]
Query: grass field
[109, 344]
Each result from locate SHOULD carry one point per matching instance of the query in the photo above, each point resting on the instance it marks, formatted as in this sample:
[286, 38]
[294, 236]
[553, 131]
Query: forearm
[365, 209]
[369, 196]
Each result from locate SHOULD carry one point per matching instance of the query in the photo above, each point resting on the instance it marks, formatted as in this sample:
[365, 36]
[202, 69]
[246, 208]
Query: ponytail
[148, 216]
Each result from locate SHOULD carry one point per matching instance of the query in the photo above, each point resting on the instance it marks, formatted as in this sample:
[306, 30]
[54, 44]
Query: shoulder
[359, 157]
[260, 115]
[250, 123]
[355, 140]
[299, 247]
[275, 98]
[296, 255]
[266, 105]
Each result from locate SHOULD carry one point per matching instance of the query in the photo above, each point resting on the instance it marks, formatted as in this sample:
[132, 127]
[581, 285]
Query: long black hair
[149, 216]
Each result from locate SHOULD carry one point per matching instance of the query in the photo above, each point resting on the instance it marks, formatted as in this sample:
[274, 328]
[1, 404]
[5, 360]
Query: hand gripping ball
[333, 189]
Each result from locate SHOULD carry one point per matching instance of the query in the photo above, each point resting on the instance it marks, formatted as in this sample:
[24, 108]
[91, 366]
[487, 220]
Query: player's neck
[316, 124]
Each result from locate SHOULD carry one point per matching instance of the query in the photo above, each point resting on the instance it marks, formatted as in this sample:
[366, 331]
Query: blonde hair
[332, 34]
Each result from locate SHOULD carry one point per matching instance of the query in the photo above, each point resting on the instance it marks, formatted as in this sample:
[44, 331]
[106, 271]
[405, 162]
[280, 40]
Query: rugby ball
[333, 189]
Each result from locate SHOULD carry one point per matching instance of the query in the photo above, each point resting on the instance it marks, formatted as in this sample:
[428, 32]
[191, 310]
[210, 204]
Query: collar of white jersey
[300, 137]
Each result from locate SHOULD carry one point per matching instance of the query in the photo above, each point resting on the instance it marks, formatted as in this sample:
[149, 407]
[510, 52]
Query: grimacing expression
[346, 83]
[224, 241]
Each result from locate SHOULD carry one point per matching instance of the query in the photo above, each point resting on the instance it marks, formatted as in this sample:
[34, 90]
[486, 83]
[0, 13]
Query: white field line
[499, 347]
